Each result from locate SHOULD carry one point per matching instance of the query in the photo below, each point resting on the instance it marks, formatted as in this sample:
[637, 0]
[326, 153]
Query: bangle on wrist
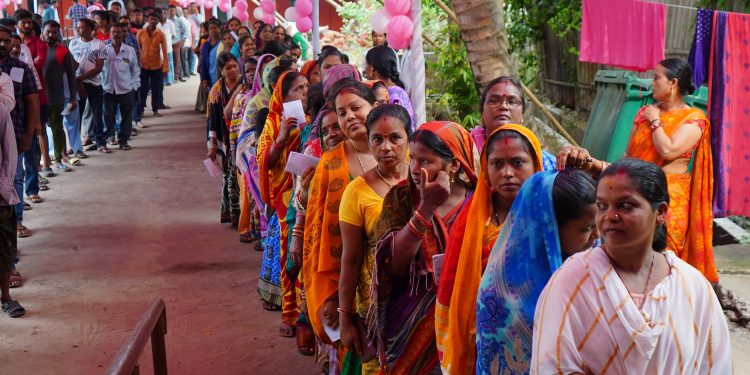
[655, 124]
[413, 229]
[418, 215]
[346, 312]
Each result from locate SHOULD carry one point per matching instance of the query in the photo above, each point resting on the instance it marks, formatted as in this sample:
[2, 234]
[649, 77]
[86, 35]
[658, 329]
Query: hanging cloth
[624, 33]
[700, 52]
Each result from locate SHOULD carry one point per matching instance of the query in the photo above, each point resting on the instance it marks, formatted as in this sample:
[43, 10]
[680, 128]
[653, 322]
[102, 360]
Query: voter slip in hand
[294, 109]
[299, 163]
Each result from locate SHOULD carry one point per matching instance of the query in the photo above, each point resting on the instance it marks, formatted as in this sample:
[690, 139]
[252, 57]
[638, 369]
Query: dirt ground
[126, 228]
[129, 227]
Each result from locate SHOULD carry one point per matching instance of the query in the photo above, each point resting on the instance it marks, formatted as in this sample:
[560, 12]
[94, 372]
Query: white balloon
[291, 14]
[379, 21]
[258, 14]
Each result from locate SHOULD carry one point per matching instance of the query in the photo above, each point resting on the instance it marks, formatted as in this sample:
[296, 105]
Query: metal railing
[153, 323]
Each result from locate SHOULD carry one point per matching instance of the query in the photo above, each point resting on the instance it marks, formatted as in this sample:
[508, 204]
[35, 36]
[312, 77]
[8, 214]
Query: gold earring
[453, 177]
[672, 91]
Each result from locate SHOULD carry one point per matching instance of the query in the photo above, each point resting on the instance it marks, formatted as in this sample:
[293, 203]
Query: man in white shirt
[87, 51]
[121, 75]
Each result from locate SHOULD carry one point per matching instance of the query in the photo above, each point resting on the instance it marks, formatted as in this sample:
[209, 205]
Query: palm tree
[483, 31]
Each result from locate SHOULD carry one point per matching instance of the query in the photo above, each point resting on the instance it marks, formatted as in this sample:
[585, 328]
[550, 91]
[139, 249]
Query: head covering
[242, 69]
[258, 80]
[336, 73]
[523, 259]
[123, 10]
[458, 141]
[455, 310]
[308, 68]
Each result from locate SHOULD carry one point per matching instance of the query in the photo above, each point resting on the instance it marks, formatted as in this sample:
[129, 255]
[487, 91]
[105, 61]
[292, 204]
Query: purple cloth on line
[700, 52]
[719, 149]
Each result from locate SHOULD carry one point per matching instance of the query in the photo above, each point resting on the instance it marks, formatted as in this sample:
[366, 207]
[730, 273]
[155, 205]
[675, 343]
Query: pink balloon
[3, 4]
[241, 5]
[397, 43]
[397, 7]
[268, 6]
[304, 24]
[258, 14]
[208, 4]
[224, 7]
[199, 3]
[401, 27]
[304, 8]
[243, 16]
[269, 19]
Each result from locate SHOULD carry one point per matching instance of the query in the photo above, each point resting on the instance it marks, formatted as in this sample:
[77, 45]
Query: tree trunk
[483, 31]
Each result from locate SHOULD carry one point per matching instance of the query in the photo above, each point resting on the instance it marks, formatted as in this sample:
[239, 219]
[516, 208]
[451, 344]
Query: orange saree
[322, 246]
[690, 216]
[276, 191]
[469, 247]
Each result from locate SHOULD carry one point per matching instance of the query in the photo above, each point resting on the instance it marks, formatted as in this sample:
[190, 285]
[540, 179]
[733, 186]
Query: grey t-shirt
[54, 74]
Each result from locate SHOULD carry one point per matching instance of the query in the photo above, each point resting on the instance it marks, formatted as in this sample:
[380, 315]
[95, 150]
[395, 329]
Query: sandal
[16, 281]
[22, 231]
[287, 331]
[43, 188]
[35, 198]
[245, 238]
[259, 246]
[26, 206]
[43, 181]
[305, 339]
[13, 309]
[270, 306]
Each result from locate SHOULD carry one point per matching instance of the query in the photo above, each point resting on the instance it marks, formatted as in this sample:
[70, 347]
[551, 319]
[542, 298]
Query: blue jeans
[151, 79]
[193, 61]
[31, 161]
[19, 188]
[137, 115]
[71, 123]
[124, 103]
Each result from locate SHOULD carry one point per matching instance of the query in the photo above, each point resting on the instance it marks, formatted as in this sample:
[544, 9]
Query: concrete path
[129, 227]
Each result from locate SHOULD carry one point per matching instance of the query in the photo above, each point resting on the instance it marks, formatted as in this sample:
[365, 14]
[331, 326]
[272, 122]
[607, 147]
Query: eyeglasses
[497, 102]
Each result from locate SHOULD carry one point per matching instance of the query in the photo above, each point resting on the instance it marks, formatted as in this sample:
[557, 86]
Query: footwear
[81, 155]
[183, 80]
[43, 181]
[62, 167]
[113, 142]
[16, 281]
[268, 306]
[287, 331]
[141, 125]
[69, 152]
[47, 172]
[104, 150]
[245, 238]
[125, 147]
[134, 132]
[157, 114]
[87, 142]
[35, 198]
[13, 309]
[26, 206]
[74, 161]
[91, 147]
[43, 187]
[22, 231]
[164, 106]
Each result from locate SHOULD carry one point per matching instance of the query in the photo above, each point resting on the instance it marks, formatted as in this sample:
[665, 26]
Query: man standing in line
[121, 76]
[58, 66]
[103, 19]
[87, 51]
[179, 39]
[76, 13]
[154, 63]
[25, 116]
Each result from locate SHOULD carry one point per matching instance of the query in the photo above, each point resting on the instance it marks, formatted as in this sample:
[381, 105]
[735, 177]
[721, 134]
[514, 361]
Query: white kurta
[586, 322]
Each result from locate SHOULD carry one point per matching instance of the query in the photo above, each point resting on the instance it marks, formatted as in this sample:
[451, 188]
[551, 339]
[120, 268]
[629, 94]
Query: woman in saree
[218, 134]
[388, 128]
[670, 134]
[352, 101]
[413, 227]
[263, 36]
[552, 218]
[311, 70]
[509, 157]
[630, 306]
[503, 102]
[382, 65]
[249, 222]
[282, 135]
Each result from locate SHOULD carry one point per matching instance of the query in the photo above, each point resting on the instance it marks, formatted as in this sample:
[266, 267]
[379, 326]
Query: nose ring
[617, 217]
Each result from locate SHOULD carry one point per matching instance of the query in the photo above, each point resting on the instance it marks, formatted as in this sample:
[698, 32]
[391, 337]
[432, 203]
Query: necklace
[358, 158]
[377, 169]
[648, 279]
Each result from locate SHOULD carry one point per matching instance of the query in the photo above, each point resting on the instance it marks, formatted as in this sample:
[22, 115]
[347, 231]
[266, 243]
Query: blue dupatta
[524, 257]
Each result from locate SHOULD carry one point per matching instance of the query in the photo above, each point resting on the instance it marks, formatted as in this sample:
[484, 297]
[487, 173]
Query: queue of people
[428, 248]
[91, 93]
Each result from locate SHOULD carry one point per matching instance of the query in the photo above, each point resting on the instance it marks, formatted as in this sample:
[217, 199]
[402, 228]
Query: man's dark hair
[137, 10]
[21, 14]
[104, 15]
[120, 24]
[51, 23]
[4, 29]
[88, 22]
[8, 22]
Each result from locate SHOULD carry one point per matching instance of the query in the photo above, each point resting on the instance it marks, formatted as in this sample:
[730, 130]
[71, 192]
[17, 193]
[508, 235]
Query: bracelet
[656, 125]
[653, 121]
[346, 313]
[413, 229]
[425, 223]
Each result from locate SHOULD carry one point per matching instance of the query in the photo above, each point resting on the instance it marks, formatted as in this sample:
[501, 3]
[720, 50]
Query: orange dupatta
[322, 246]
[463, 265]
[275, 183]
[693, 243]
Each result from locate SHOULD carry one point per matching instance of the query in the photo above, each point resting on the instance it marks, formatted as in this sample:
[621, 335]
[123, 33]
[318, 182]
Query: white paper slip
[333, 334]
[68, 108]
[213, 167]
[16, 74]
[437, 265]
[298, 163]
[294, 109]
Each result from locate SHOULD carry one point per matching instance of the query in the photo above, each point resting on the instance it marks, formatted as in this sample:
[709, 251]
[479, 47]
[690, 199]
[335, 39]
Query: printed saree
[402, 311]
[522, 261]
[322, 248]
[690, 215]
[465, 257]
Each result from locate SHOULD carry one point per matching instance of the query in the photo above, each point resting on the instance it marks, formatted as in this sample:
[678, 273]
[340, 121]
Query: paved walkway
[129, 227]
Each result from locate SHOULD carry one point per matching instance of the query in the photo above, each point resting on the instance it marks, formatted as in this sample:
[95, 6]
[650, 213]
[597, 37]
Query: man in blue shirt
[178, 40]
[75, 13]
[121, 76]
